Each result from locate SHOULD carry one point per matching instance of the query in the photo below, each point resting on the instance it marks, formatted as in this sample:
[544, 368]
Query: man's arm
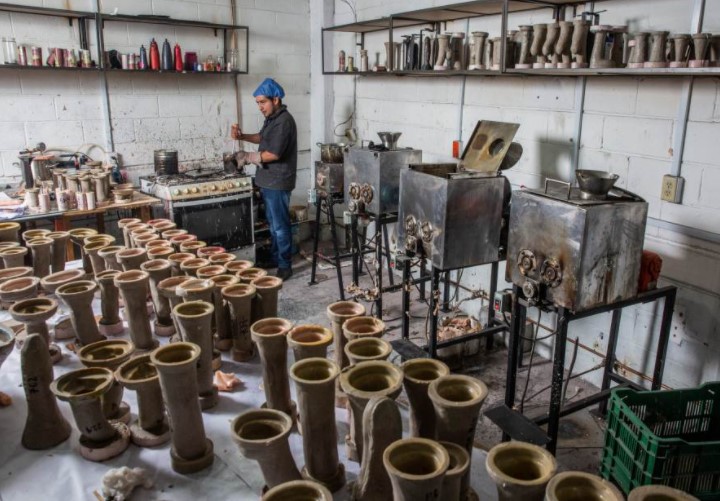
[250, 138]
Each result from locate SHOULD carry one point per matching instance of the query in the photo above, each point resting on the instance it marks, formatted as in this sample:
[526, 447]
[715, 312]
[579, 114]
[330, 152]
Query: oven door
[225, 221]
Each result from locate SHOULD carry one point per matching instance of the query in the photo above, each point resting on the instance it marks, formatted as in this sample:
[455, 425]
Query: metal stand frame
[513, 425]
[381, 248]
[493, 326]
[326, 205]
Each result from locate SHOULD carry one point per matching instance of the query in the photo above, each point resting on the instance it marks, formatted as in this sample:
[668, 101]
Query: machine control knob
[526, 262]
[410, 225]
[176, 192]
[194, 189]
[185, 191]
[551, 272]
[426, 231]
[356, 206]
[366, 193]
[213, 187]
[354, 191]
[410, 245]
[530, 291]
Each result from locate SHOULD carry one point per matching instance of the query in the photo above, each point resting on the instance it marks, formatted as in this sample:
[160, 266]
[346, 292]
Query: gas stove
[196, 184]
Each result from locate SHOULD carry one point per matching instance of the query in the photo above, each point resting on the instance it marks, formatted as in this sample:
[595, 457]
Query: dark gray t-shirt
[278, 136]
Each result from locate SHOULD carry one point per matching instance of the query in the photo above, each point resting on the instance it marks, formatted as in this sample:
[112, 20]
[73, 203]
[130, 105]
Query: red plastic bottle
[178, 58]
[154, 56]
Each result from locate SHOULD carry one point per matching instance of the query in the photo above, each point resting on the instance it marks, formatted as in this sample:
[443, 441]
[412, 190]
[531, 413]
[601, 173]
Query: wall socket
[672, 189]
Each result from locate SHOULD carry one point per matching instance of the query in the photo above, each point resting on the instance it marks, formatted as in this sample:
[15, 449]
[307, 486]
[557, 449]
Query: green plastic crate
[664, 437]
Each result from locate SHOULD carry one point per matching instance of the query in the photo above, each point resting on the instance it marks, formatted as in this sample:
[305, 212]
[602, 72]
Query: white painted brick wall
[189, 112]
[628, 129]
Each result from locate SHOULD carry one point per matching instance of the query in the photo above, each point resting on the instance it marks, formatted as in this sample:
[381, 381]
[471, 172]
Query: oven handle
[207, 201]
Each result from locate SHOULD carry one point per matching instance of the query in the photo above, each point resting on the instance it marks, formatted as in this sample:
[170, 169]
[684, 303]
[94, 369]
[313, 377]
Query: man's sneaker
[284, 273]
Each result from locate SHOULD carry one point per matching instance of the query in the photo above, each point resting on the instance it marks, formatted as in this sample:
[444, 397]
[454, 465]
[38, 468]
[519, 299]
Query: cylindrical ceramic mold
[83, 389]
[576, 486]
[367, 349]
[308, 341]
[194, 319]
[133, 286]
[191, 450]
[78, 297]
[520, 470]
[417, 376]
[361, 382]
[140, 375]
[239, 301]
[262, 435]
[270, 336]
[416, 467]
[338, 313]
[315, 383]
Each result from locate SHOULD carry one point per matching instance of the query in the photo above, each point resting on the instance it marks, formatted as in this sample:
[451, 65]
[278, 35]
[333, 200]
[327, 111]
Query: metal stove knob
[194, 189]
[176, 192]
[185, 191]
[213, 187]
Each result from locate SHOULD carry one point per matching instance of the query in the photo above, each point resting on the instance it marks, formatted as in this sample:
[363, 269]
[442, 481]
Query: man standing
[276, 159]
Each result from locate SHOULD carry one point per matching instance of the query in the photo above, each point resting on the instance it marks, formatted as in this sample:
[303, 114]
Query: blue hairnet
[269, 88]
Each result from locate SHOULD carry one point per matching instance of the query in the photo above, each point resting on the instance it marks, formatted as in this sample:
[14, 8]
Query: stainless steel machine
[575, 252]
[453, 213]
[372, 177]
[576, 248]
[329, 179]
[455, 216]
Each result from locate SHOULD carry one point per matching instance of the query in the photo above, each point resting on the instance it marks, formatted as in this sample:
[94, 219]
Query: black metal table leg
[446, 292]
[406, 298]
[423, 273]
[668, 308]
[355, 249]
[610, 357]
[379, 269]
[490, 340]
[558, 375]
[386, 244]
[434, 297]
[336, 250]
[522, 322]
[316, 243]
[513, 353]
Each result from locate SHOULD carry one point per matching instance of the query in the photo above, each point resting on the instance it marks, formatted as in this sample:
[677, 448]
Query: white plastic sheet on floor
[61, 473]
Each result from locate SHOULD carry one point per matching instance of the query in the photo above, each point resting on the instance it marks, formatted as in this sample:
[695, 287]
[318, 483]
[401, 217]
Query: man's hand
[235, 132]
[248, 157]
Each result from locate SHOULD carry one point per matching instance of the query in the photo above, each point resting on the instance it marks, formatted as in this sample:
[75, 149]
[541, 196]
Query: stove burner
[193, 176]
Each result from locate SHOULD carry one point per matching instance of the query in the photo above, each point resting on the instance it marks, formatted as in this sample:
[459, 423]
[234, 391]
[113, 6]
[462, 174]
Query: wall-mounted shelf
[17, 67]
[149, 19]
[45, 11]
[479, 8]
[84, 18]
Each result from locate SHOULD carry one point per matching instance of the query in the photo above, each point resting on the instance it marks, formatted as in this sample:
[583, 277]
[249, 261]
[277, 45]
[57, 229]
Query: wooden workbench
[141, 205]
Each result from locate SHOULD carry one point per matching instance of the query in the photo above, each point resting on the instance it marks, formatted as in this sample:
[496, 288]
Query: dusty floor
[581, 439]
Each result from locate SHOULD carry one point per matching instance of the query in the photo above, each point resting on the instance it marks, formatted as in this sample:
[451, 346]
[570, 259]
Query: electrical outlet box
[672, 188]
[502, 302]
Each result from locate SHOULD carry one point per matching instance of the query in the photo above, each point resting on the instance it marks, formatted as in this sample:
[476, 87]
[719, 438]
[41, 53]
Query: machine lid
[488, 146]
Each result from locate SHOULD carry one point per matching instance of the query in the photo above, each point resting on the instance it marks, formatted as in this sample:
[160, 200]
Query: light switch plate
[672, 189]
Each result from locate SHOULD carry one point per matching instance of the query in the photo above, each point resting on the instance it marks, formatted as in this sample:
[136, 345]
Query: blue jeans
[277, 212]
